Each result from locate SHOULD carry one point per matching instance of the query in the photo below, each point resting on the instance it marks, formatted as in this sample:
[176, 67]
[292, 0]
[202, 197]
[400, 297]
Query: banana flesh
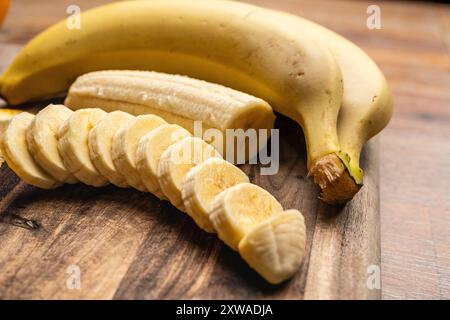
[42, 139]
[276, 247]
[175, 163]
[236, 210]
[168, 96]
[5, 116]
[124, 146]
[177, 99]
[73, 146]
[149, 150]
[17, 156]
[203, 183]
[100, 145]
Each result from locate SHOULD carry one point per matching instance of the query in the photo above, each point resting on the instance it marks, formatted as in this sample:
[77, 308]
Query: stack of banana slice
[58, 145]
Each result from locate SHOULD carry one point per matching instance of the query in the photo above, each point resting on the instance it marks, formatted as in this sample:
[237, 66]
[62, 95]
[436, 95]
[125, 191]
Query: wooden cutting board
[124, 244]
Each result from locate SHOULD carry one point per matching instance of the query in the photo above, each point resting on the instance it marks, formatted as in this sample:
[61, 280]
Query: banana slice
[125, 144]
[175, 163]
[5, 116]
[239, 209]
[203, 183]
[17, 156]
[42, 139]
[73, 145]
[100, 145]
[149, 151]
[276, 247]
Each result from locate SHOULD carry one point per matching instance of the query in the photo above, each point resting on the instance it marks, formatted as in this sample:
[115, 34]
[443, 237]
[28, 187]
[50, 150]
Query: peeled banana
[125, 143]
[42, 139]
[73, 146]
[149, 150]
[175, 163]
[100, 145]
[177, 99]
[203, 183]
[19, 158]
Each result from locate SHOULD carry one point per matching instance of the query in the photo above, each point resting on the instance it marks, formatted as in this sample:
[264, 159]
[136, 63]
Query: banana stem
[336, 184]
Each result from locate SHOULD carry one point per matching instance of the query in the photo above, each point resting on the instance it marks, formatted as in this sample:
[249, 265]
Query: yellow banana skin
[366, 109]
[238, 45]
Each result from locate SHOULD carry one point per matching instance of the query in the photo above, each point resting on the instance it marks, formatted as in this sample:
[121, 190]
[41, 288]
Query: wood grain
[412, 48]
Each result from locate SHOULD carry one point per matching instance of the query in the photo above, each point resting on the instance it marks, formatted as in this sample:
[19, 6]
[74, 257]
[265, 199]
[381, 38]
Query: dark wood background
[413, 50]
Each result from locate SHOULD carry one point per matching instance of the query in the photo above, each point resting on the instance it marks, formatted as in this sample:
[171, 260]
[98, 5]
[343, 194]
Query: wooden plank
[412, 49]
[95, 229]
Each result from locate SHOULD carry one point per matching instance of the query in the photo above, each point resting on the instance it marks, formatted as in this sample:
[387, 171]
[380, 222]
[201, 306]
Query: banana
[276, 247]
[149, 150]
[125, 144]
[100, 145]
[177, 99]
[42, 140]
[238, 45]
[366, 109]
[203, 183]
[175, 163]
[73, 146]
[5, 116]
[17, 156]
[238, 209]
